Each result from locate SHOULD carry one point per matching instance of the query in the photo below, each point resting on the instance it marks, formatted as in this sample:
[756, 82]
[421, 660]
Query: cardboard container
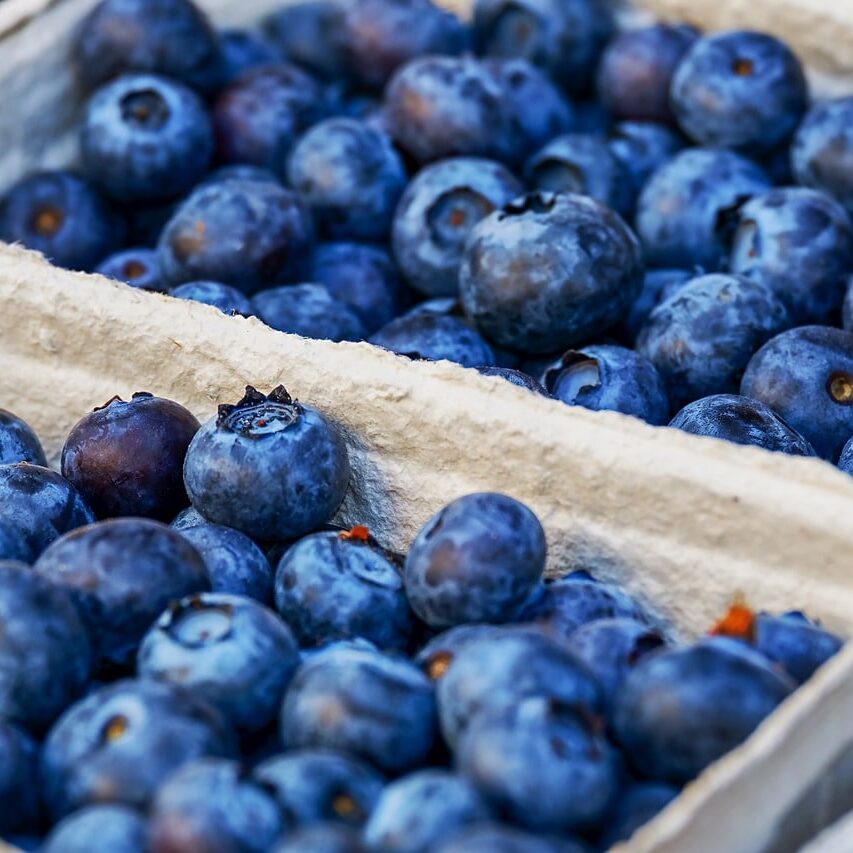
[683, 522]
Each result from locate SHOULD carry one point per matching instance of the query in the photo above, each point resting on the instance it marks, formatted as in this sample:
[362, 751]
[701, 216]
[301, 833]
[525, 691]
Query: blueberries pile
[251, 677]
[655, 221]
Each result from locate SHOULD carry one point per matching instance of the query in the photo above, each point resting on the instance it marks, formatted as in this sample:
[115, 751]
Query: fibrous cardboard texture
[683, 522]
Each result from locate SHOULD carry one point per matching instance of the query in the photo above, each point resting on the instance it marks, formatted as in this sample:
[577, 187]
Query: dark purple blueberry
[145, 138]
[229, 650]
[99, 827]
[440, 206]
[268, 466]
[308, 310]
[145, 222]
[122, 574]
[63, 216]
[822, 150]
[795, 643]
[607, 377]
[376, 37]
[701, 338]
[740, 90]
[658, 286]
[742, 421]
[13, 544]
[249, 234]
[228, 299]
[362, 276]
[350, 176]
[563, 37]
[307, 32]
[244, 50]
[636, 69]
[259, 116]
[169, 37]
[126, 458]
[635, 806]
[541, 764]
[687, 209]
[435, 337]
[515, 377]
[18, 441]
[45, 658]
[121, 742]
[136, 267]
[806, 376]
[681, 709]
[549, 271]
[800, 243]
[446, 106]
[581, 163]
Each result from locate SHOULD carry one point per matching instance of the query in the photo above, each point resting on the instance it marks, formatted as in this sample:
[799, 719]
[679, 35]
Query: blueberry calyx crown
[577, 361]
[260, 414]
[535, 202]
[116, 398]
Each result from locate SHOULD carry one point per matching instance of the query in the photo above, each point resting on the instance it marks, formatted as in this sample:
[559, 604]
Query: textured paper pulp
[682, 521]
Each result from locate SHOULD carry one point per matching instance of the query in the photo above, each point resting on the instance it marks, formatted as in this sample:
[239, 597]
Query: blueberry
[122, 574]
[126, 458]
[321, 838]
[687, 207]
[515, 377]
[436, 213]
[350, 176]
[244, 50]
[438, 653]
[445, 106]
[563, 605]
[541, 764]
[592, 117]
[228, 299]
[799, 645]
[145, 222]
[658, 286]
[239, 172]
[370, 705]
[234, 563]
[18, 441]
[378, 36]
[743, 421]
[611, 648]
[800, 243]
[187, 518]
[229, 650]
[122, 741]
[136, 267]
[169, 37]
[250, 234]
[40, 505]
[63, 216]
[847, 305]
[822, 150]
[563, 37]
[498, 670]
[538, 109]
[681, 709]
[741, 90]
[419, 811]
[845, 460]
[502, 838]
[549, 271]
[270, 467]
[331, 586]
[636, 70]
[476, 560]
[209, 804]
[701, 338]
[307, 32]
[362, 276]
[13, 544]
[435, 337]
[806, 376]
[581, 163]
[636, 806]
[45, 656]
[145, 138]
[260, 115]
[308, 310]
[116, 828]
[608, 377]
[315, 786]
[641, 147]
[18, 787]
